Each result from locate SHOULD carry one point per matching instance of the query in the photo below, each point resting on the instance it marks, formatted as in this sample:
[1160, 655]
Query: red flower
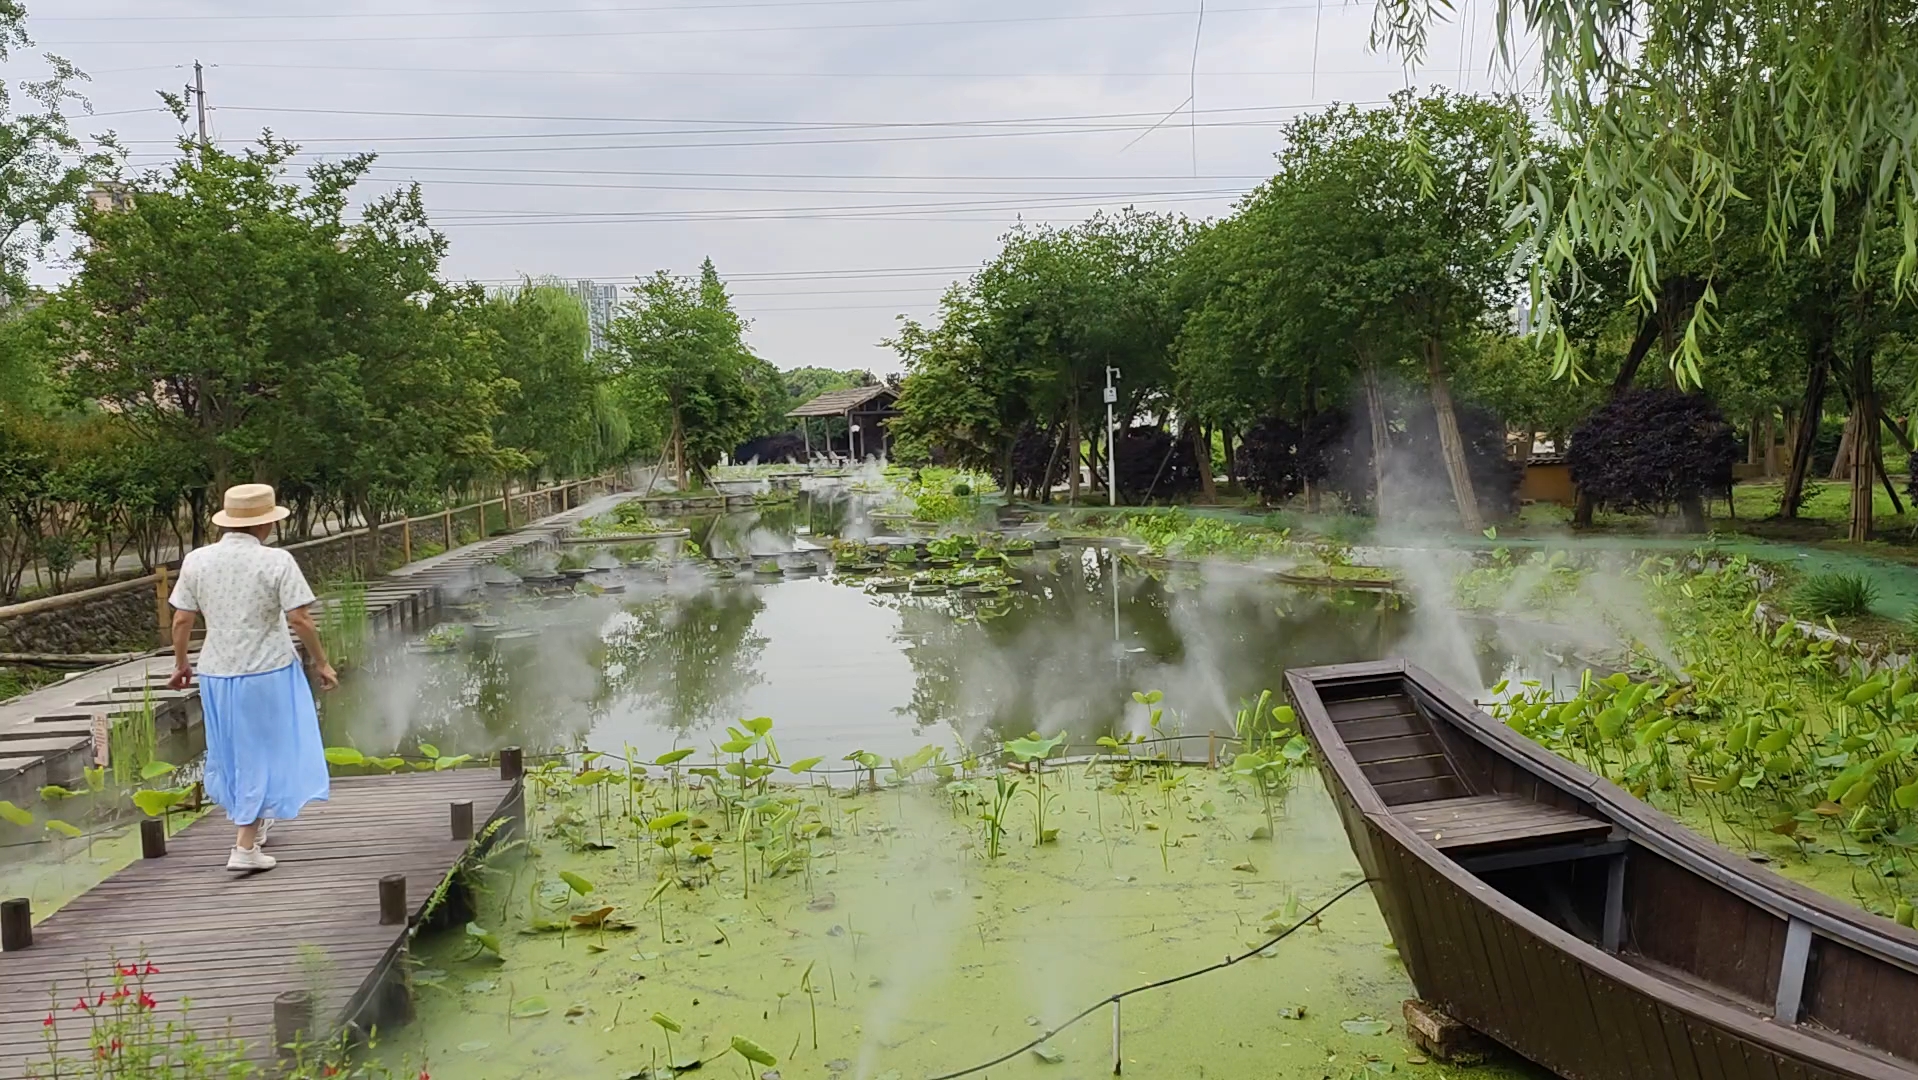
[103, 998]
[82, 1006]
[48, 1022]
[130, 970]
[147, 1001]
[116, 1046]
[329, 1070]
[423, 1075]
[150, 969]
[123, 993]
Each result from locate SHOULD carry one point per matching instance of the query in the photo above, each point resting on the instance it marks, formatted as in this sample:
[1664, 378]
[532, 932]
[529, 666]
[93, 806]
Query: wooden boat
[1546, 908]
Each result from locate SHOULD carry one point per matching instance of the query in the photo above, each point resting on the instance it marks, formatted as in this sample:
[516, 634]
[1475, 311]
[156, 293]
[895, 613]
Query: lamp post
[1112, 439]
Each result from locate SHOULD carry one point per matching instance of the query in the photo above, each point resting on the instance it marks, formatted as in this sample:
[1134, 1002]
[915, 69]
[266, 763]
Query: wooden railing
[161, 579]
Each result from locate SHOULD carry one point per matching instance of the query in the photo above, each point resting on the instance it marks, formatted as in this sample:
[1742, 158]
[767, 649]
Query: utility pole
[198, 93]
[1112, 439]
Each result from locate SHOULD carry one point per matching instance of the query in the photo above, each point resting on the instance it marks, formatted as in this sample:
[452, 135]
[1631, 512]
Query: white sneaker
[266, 830]
[250, 861]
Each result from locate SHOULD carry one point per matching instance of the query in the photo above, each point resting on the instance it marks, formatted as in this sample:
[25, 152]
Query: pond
[650, 652]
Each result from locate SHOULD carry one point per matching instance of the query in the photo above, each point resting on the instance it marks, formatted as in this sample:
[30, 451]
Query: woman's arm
[183, 621]
[300, 619]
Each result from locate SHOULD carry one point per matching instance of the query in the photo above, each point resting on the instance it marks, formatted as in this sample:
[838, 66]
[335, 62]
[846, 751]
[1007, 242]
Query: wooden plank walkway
[231, 943]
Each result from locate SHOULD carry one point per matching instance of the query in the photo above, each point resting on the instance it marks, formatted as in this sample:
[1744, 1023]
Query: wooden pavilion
[864, 410]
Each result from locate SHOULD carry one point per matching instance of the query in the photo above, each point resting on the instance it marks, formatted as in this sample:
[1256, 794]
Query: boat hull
[1676, 990]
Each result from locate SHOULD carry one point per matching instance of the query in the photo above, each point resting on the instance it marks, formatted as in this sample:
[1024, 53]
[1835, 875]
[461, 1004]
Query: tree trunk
[1202, 452]
[1847, 441]
[1770, 456]
[1451, 445]
[1072, 452]
[1807, 428]
[1231, 459]
[1864, 446]
[1755, 437]
[1381, 443]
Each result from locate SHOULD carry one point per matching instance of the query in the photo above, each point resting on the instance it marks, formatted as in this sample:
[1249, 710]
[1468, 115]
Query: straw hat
[248, 505]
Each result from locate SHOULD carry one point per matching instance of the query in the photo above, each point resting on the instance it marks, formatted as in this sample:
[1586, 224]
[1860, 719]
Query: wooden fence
[442, 526]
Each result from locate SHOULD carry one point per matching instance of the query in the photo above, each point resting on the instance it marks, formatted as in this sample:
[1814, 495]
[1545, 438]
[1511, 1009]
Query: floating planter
[938, 563]
[1018, 547]
[614, 589]
[515, 638]
[486, 629]
[927, 588]
[1046, 543]
[769, 570]
[891, 585]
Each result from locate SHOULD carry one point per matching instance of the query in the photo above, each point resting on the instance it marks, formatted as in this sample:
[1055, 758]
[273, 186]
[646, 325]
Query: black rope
[1123, 994]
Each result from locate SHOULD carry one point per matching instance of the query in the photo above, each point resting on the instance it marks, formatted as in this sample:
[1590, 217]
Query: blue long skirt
[264, 757]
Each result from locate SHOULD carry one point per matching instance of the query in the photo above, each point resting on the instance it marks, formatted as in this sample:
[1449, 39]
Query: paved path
[232, 943]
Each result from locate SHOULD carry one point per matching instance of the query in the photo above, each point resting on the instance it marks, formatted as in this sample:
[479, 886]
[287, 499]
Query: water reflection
[671, 655]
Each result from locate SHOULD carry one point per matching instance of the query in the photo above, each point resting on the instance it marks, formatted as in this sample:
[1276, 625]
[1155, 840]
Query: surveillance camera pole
[1112, 440]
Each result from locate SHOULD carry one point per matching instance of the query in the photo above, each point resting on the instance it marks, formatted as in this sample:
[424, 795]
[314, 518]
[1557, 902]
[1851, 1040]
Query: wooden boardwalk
[232, 943]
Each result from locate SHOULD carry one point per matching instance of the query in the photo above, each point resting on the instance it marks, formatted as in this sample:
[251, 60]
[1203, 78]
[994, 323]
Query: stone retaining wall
[124, 617]
[117, 622]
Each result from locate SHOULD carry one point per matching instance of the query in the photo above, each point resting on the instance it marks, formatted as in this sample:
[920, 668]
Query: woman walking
[264, 759]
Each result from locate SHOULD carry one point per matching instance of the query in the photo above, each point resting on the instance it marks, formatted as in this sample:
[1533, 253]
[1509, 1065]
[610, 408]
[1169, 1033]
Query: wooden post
[16, 924]
[162, 611]
[152, 838]
[511, 763]
[506, 501]
[292, 1020]
[393, 900]
[406, 540]
[462, 819]
[446, 527]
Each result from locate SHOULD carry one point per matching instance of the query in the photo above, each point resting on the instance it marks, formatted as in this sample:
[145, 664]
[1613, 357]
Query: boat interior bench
[1503, 831]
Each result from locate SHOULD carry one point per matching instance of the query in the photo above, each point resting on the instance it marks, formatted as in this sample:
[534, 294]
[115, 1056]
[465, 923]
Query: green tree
[1392, 247]
[45, 169]
[237, 313]
[679, 348]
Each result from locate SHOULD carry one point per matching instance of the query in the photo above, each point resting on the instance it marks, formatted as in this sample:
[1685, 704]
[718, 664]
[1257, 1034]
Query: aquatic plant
[1835, 595]
[1032, 752]
[1763, 733]
[343, 624]
[994, 816]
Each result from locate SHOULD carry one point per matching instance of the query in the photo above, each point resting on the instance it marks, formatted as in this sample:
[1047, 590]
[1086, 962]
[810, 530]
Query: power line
[1101, 129]
[874, 211]
[1063, 199]
[763, 74]
[774, 124]
[257, 16]
[502, 12]
[557, 185]
[784, 275]
[818, 176]
[674, 31]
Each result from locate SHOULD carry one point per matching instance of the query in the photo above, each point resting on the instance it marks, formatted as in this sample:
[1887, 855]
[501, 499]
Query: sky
[841, 161]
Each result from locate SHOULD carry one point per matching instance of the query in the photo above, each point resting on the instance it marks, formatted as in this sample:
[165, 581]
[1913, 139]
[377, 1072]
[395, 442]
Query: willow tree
[1684, 110]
